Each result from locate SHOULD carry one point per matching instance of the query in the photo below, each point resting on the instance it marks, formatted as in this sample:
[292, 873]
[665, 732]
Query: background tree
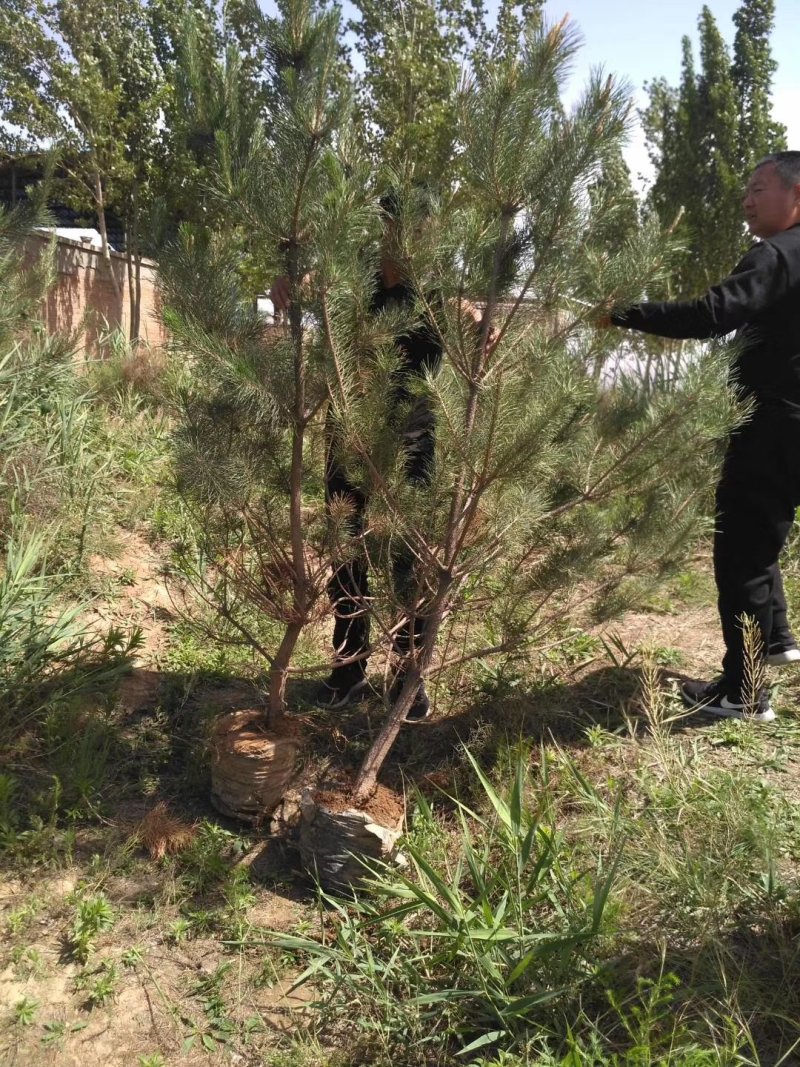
[133, 96]
[704, 137]
[408, 58]
[410, 50]
[73, 77]
[752, 72]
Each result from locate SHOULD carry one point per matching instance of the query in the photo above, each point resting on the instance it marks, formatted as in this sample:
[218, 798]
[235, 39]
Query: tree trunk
[367, 779]
[134, 268]
[136, 306]
[99, 200]
[280, 665]
[129, 274]
[279, 671]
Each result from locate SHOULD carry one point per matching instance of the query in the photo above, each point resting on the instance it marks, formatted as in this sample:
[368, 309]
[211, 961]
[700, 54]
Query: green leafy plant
[25, 1011]
[93, 916]
[216, 1028]
[179, 931]
[98, 983]
[56, 1031]
[131, 957]
[155, 1059]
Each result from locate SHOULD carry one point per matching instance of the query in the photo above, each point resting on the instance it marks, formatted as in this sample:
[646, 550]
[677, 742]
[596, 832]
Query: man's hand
[603, 322]
[472, 312]
[280, 293]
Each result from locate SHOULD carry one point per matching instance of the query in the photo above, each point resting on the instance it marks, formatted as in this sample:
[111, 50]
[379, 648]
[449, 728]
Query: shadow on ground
[661, 986]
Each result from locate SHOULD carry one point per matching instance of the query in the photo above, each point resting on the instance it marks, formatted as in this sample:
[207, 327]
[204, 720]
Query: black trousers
[758, 493]
[348, 588]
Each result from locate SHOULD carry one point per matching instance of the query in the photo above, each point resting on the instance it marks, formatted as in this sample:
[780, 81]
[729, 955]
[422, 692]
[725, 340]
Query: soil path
[140, 598]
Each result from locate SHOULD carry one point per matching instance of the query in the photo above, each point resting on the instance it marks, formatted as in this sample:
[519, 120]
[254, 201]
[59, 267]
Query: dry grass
[164, 834]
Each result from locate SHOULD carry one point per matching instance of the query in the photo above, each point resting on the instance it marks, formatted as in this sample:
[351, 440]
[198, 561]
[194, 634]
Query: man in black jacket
[759, 488]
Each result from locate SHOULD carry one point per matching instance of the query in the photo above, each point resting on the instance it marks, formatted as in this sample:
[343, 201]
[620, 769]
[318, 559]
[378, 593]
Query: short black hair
[787, 164]
[417, 200]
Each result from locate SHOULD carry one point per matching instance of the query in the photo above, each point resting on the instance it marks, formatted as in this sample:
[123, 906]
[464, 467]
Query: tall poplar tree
[705, 135]
[409, 57]
[752, 72]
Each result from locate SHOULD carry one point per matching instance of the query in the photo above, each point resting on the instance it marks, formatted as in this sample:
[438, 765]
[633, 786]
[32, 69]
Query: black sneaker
[421, 707]
[344, 686]
[714, 698]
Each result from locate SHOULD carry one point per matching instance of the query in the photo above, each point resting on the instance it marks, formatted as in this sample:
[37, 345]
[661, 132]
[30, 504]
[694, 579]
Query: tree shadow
[745, 975]
[571, 712]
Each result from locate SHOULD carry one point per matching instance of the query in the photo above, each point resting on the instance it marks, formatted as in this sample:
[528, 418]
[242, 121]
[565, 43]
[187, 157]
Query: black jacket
[760, 300]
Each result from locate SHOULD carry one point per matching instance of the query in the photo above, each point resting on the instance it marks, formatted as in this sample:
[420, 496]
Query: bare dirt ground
[160, 1000]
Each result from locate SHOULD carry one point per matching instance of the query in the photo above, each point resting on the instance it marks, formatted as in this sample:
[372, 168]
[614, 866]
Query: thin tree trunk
[129, 274]
[281, 662]
[136, 310]
[367, 780]
[99, 200]
[279, 673]
[136, 282]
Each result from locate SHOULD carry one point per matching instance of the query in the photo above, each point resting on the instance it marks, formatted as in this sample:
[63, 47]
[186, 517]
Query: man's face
[770, 206]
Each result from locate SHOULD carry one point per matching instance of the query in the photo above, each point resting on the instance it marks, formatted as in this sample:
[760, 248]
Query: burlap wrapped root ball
[335, 836]
[251, 767]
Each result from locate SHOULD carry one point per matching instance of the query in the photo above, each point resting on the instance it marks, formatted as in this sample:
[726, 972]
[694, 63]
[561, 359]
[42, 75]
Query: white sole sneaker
[726, 710]
[707, 697]
[784, 658]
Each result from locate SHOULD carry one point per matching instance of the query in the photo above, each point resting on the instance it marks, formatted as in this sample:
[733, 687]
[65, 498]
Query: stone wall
[83, 299]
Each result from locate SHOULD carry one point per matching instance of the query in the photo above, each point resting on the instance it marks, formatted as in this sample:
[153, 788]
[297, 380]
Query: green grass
[591, 878]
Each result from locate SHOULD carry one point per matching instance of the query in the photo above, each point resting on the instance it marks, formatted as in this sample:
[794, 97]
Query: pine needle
[164, 834]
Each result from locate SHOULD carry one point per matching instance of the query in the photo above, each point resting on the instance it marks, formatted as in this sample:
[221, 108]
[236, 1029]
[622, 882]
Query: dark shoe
[343, 687]
[781, 654]
[421, 707]
[714, 698]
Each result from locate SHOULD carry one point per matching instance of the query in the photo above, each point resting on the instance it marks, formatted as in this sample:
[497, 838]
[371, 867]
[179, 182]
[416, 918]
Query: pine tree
[547, 479]
[543, 476]
[243, 446]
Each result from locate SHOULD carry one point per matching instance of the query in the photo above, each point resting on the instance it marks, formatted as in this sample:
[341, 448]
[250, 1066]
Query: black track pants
[348, 588]
[758, 493]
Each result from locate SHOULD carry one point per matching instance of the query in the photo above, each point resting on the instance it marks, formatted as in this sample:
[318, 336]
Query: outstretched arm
[757, 283]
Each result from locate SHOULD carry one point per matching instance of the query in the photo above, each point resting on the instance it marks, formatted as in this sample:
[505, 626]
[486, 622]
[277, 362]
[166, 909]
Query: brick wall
[83, 298]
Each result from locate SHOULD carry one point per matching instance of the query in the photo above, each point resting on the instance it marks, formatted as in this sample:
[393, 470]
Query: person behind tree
[759, 487]
[421, 352]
